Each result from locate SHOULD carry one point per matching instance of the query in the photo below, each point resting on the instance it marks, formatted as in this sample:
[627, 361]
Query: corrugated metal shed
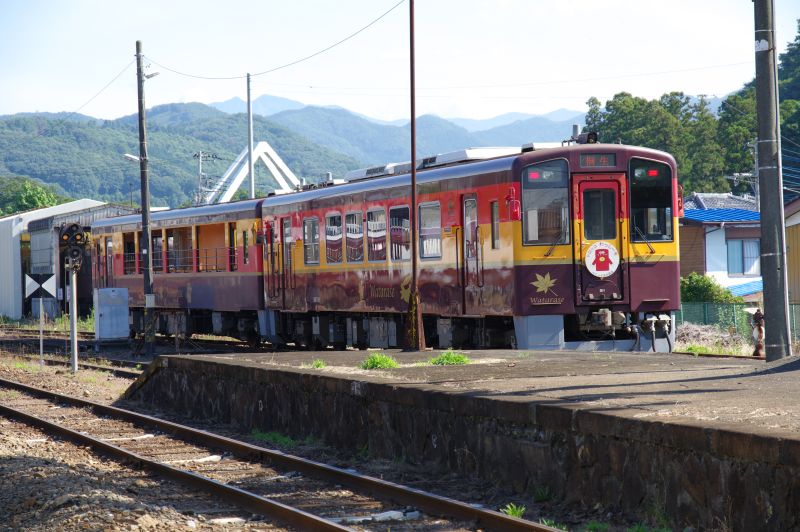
[721, 215]
[11, 229]
[747, 289]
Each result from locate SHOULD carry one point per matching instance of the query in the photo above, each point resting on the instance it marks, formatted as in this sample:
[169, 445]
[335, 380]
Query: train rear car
[207, 267]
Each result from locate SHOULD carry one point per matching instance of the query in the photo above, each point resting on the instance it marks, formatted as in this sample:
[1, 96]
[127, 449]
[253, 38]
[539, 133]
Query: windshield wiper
[652, 249]
[555, 242]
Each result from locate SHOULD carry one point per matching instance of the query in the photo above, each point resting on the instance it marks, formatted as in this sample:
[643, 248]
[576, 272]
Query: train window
[232, 247]
[376, 235]
[545, 203]
[354, 225]
[333, 238]
[599, 214]
[430, 231]
[400, 233]
[311, 240]
[495, 225]
[651, 201]
[157, 249]
[245, 247]
[129, 253]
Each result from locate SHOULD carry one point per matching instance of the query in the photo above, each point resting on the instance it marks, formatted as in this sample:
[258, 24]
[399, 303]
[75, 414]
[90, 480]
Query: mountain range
[81, 156]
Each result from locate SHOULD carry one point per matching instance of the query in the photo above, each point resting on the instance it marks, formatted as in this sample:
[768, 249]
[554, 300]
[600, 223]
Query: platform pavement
[733, 393]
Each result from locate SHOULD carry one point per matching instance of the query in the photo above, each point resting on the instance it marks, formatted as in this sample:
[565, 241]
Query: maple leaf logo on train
[544, 283]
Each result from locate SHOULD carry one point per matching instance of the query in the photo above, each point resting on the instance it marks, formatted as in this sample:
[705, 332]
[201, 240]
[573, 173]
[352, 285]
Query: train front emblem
[602, 259]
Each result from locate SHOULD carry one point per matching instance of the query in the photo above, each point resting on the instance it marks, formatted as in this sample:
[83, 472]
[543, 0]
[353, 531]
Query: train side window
[245, 247]
[311, 240]
[430, 231]
[495, 224]
[400, 233]
[333, 238]
[545, 203]
[354, 225]
[376, 235]
[651, 201]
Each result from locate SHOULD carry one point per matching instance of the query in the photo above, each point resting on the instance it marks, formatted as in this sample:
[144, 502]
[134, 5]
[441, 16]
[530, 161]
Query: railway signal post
[74, 237]
[37, 285]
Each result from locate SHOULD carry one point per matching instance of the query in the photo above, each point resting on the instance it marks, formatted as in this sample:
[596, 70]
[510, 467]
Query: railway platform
[710, 442]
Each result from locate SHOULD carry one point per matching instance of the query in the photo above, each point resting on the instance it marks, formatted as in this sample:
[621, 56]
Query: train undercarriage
[598, 329]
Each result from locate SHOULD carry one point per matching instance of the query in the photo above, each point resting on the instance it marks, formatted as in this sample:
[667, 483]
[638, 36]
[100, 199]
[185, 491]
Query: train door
[469, 256]
[601, 205]
[272, 264]
[287, 268]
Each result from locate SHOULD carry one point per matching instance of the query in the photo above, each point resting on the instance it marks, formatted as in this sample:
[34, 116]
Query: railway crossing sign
[40, 284]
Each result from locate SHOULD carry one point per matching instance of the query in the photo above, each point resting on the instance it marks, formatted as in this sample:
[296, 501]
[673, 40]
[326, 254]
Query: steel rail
[244, 499]
[431, 503]
[116, 370]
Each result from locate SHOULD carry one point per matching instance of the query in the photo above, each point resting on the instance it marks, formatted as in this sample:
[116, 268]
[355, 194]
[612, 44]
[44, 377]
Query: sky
[474, 58]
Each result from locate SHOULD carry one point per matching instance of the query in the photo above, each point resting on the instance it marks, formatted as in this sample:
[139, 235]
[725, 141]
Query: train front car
[596, 248]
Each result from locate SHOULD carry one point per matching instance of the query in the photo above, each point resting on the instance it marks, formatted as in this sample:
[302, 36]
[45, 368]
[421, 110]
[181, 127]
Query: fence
[729, 316]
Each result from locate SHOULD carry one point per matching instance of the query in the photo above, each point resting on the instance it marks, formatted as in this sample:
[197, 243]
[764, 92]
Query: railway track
[292, 490]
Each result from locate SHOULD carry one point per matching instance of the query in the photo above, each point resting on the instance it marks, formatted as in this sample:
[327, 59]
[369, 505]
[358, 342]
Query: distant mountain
[265, 105]
[536, 129]
[372, 143]
[85, 158]
[63, 115]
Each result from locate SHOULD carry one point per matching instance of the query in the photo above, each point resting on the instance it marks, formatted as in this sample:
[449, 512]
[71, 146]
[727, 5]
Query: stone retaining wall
[696, 476]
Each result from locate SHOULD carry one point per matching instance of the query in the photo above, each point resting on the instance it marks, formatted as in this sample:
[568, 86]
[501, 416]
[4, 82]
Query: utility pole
[144, 245]
[415, 331]
[773, 246]
[251, 170]
[202, 156]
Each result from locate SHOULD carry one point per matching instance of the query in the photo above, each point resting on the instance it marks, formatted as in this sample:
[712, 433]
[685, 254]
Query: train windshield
[651, 201]
[545, 203]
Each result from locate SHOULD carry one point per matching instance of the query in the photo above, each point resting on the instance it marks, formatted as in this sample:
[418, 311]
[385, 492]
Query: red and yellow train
[567, 247]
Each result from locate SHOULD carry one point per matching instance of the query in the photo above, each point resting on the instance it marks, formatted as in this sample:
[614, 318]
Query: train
[562, 247]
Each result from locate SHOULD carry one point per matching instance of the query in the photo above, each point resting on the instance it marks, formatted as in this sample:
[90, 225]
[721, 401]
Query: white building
[44, 255]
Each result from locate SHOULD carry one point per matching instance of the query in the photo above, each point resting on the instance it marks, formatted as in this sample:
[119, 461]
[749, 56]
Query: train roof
[218, 212]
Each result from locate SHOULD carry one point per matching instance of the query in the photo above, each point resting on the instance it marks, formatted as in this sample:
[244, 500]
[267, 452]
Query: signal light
[74, 236]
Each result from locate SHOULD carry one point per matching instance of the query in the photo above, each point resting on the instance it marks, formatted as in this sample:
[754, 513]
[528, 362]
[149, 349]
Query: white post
[73, 318]
[41, 330]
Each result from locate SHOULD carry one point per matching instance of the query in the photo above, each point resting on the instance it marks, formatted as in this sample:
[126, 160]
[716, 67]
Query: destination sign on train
[598, 159]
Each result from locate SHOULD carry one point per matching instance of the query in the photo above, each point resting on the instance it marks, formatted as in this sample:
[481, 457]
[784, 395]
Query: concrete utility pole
[773, 247]
[251, 169]
[415, 332]
[144, 244]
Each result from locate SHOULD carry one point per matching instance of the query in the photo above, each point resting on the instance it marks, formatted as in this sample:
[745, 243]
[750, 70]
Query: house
[720, 236]
[791, 212]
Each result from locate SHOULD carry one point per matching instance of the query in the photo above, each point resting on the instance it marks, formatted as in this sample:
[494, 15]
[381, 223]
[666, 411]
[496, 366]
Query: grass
[273, 438]
[597, 526]
[378, 361]
[542, 494]
[449, 358]
[551, 523]
[513, 510]
[317, 363]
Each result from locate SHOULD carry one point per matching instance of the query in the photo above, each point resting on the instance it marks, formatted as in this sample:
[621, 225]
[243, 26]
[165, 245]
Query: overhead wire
[287, 65]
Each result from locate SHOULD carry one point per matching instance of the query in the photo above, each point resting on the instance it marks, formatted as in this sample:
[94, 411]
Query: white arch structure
[223, 190]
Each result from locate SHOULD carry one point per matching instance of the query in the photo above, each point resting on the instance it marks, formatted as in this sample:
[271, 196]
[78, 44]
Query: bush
[703, 288]
[450, 358]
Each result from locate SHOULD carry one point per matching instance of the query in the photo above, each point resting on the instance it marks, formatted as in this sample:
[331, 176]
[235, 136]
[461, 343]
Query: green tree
[18, 194]
[703, 288]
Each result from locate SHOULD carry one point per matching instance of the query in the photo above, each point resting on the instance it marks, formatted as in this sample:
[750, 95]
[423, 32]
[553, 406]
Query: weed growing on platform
[450, 358]
[639, 527]
[542, 494]
[317, 363]
[597, 526]
[274, 438]
[551, 523]
[513, 510]
[379, 361]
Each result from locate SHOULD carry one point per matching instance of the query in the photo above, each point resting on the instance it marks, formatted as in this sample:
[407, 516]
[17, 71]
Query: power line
[292, 63]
